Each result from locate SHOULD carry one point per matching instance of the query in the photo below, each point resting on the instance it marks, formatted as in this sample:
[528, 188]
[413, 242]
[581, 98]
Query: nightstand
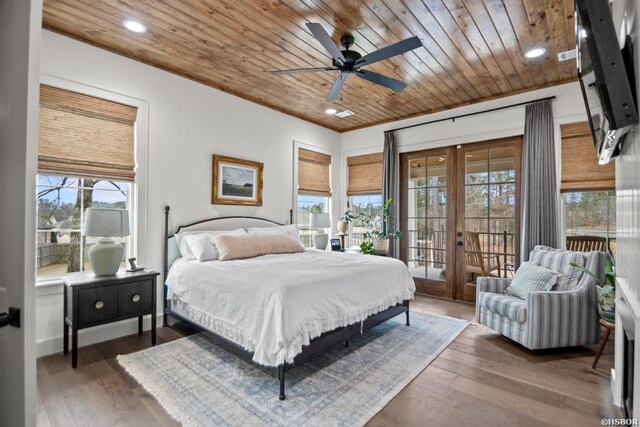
[91, 301]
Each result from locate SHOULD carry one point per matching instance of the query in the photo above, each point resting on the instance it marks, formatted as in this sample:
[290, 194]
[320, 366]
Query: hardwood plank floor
[480, 379]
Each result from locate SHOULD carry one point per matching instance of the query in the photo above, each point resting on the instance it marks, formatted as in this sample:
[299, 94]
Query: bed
[282, 309]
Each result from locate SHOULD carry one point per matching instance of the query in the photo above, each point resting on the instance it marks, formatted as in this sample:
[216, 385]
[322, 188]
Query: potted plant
[606, 289]
[345, 219]
[379, 231]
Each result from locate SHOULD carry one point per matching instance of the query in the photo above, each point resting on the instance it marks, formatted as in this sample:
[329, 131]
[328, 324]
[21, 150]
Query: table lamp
[106, 255]
[320, 221]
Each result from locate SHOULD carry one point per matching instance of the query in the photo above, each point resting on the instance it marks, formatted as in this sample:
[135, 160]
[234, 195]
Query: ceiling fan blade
[326, 41]
[390, 51]
[337, 86]
[303, 70]
[379, 79]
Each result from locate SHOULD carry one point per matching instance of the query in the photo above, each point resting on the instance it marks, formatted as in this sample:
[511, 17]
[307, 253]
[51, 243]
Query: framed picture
[236, 182]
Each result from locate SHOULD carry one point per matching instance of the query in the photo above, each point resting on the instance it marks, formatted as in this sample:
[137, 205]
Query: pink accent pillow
[253, 245]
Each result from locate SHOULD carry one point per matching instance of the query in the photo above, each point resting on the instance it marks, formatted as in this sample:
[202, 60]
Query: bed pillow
[183, 246]
[531, 278]
[253, 245]
[200, 244]
[290, 230]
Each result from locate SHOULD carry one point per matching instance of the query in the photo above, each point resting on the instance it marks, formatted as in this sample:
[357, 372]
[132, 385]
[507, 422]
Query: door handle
[12, 318]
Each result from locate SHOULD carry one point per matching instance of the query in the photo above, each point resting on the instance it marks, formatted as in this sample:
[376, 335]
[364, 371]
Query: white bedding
[273, 305]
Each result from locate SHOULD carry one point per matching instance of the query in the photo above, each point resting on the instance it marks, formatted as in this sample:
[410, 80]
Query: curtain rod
[470, 114]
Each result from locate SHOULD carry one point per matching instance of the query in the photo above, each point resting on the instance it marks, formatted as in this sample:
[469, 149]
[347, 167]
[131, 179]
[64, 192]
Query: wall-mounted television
[606, 79]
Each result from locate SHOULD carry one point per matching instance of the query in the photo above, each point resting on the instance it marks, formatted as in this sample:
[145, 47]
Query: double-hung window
[588, 189]
[314, 189]
[364, 191]
[85, 159]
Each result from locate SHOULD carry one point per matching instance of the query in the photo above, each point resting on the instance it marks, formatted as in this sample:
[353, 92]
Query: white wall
[626, 14]
[188, 122]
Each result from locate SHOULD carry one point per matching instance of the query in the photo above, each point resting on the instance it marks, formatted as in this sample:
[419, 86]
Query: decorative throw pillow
[200, 245]
[531, 278]
[290, 230]
[250, 246]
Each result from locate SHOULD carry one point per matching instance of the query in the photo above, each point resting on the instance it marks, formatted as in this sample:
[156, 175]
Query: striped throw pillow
[531, 278]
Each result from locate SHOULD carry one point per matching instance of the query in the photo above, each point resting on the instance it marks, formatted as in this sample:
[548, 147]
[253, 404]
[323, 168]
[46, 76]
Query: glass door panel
[426, 210]
[489, 245]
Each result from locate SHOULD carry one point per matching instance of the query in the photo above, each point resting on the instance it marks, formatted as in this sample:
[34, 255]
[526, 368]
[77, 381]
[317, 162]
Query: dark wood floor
[480, 379]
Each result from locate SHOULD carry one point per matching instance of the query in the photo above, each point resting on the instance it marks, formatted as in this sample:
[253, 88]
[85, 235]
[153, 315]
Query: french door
[459, 213]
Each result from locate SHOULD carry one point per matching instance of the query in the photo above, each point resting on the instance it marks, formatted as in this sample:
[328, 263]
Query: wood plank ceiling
[473, 49]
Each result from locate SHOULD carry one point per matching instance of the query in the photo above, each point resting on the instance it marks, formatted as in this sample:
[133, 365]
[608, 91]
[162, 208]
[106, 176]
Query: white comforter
[274, 305]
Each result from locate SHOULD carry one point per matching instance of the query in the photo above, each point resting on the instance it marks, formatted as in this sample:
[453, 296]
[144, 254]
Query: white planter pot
[381, 247]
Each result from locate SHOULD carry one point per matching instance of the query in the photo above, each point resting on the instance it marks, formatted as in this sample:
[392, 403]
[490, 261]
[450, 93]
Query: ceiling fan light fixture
[330, 111]
[535, 52]
[135, 26]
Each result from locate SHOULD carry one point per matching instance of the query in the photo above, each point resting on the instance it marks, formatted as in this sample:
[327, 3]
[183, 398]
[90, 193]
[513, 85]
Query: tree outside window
[61, 205]
[591, 213]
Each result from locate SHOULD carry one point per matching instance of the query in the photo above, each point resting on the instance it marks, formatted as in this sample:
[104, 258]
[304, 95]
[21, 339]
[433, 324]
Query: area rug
[201, 381]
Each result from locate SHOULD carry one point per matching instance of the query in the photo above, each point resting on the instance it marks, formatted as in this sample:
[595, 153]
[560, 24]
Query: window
[314, 189]
[85, 159]
[370, 204]
[306, 206]
[61, 206]
[591, 213]
[364, 188]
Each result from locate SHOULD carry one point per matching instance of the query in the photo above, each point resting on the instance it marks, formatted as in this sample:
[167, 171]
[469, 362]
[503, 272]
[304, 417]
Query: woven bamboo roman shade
[85, 136]
[313, 173]
[365, 174]
[580, 169]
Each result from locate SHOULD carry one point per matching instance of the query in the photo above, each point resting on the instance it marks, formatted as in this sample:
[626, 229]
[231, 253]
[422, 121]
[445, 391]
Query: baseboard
[96, 334]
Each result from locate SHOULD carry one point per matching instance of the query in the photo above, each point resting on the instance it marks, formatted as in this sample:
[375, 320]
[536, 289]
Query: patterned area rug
[202, 381]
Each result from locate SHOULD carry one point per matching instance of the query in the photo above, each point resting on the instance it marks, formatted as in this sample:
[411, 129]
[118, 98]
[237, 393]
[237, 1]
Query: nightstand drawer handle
[99, 305]
[135, 298]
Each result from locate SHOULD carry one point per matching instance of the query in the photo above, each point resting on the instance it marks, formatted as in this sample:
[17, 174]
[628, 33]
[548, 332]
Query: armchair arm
[496, 285]
[562, 318]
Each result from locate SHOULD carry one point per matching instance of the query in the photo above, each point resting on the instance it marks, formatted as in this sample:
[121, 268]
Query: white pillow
[199, 244]
[290, 230]
[183, 246]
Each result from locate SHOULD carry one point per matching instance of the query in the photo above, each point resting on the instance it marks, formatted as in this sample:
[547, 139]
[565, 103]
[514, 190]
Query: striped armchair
[563, 317]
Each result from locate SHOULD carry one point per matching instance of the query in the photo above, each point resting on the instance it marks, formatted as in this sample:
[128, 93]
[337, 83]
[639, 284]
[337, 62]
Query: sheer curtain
[539, 192]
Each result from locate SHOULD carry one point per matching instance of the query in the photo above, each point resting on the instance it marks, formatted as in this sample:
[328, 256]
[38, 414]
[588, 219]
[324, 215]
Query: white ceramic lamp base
[105, 257]
[320, 240]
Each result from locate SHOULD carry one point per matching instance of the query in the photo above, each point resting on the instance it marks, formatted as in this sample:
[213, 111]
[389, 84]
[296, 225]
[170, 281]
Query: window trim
[139, 188]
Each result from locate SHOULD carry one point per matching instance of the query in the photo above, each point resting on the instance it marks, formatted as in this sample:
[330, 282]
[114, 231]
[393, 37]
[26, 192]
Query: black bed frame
[316, 346]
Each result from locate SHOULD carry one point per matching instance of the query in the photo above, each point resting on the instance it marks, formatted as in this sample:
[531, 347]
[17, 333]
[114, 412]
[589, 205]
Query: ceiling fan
[350, 62]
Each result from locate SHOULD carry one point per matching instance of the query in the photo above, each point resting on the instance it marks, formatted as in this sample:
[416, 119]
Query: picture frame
[236, 181]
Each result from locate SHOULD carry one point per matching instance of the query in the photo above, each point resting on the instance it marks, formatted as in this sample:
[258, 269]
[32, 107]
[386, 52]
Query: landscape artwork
[236, 181]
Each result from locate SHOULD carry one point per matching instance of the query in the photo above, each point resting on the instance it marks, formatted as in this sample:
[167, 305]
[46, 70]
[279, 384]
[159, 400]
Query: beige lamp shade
[320, 220]
[102, 222]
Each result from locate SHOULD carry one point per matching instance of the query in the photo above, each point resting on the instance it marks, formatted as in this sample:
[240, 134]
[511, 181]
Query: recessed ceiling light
[330, 111]
[135, 26]
[535, 52]
[345, 113]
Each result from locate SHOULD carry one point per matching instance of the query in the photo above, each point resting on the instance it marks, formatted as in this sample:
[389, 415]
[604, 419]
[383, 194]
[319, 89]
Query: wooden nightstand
[92, 301]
